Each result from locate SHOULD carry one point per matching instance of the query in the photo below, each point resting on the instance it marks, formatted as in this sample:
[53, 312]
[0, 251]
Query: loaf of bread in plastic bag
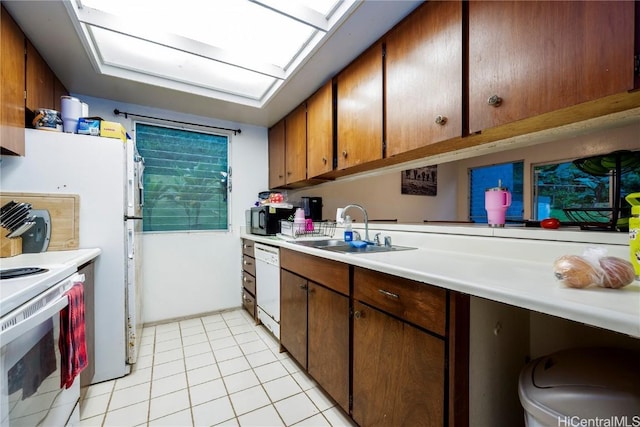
[582, 271]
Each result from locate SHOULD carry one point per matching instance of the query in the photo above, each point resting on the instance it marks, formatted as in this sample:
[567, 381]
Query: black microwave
[265, 220]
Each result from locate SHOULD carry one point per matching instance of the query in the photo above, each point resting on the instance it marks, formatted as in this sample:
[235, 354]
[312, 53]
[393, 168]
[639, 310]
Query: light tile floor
[214, 370]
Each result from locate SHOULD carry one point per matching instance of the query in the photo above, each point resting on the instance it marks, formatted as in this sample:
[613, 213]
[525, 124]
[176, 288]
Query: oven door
[31, 393]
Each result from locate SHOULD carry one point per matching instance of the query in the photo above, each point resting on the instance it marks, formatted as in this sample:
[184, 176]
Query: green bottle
[634, 231]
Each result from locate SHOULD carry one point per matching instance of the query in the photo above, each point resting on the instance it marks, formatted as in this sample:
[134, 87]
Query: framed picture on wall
[420, 181]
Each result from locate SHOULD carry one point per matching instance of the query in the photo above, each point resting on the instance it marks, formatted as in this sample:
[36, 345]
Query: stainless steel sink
[336, 245]
[322, 243]
[366, 249]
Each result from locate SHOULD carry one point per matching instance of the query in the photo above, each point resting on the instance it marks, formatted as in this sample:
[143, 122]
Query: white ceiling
[49, 27]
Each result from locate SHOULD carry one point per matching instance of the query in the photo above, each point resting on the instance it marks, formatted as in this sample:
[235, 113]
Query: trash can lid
[584, 382]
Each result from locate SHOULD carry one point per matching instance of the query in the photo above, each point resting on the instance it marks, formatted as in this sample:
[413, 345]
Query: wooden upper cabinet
[276, 155]
[296, 145]
[12, 83]
[320, 131]
[528, 58]
[424, 77]
[359, 105]
[58, 91]
[40, 81]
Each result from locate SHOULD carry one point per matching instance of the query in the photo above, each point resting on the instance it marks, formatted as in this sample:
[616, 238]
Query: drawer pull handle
[303, 286]
[358, 314]
[389, 294]
[246, 263]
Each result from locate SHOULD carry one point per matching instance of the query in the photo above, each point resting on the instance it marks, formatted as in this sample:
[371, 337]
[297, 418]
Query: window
[510, 175]
[589, 197]
[185, 179]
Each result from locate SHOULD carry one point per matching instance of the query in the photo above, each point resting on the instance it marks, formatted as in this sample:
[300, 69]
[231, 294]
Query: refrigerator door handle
[130, 249]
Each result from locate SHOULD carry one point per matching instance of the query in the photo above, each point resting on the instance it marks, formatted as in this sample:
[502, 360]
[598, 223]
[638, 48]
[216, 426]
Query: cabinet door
[293, 315]
[12, 85]
[398, 372]
[328, 350]
[424, 77]
[86, 376]
[249, 303]
[320, 131]
[58, 91]
[39, 81]
[359, 115]
[276, 155]
[295, 161]
[539, 56]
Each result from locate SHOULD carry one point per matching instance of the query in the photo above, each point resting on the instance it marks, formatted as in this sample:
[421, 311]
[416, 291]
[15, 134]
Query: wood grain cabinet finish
[295, 160]
[423, 79]
[418, 303]
[328, 342]
[331, 274]
[249, 285]
[248, 247]
[410, 352]
[277, 155]
[360, 110]
[293, 315]
[320, 131]
[529, 58]
[398, 372]
[86, 376]
[12, 85]
[40, 81]
[314, 330]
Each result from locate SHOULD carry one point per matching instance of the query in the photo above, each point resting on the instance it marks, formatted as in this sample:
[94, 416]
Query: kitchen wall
[188, 273]
[379, 191]
[380, 195]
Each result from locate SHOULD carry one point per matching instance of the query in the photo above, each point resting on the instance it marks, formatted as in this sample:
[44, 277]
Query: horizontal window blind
[185, 178]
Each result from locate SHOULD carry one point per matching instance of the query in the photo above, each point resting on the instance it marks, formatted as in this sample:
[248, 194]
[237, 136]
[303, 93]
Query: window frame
[196, 129]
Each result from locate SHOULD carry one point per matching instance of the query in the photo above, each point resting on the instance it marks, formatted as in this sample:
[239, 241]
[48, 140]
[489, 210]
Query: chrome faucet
[366, 219]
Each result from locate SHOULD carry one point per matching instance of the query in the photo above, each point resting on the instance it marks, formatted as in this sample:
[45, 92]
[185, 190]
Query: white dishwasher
[268, 286]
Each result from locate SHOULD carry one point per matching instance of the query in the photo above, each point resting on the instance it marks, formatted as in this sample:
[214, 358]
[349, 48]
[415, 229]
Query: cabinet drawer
[249, 303]
[248, 247]
[331, 274]
[249, 282]
[249, 265]
[415, 302]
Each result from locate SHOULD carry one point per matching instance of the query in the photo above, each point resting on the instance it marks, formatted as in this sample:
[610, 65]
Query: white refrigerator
[107, 175]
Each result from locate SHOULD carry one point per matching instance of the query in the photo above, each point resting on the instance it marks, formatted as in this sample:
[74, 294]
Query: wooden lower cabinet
[398, 372]
[328, 342]
[314, 330]
[389, 350]
[293, 315]
[249, 289]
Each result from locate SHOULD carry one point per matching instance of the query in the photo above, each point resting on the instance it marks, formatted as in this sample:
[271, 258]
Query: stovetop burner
[12, 273]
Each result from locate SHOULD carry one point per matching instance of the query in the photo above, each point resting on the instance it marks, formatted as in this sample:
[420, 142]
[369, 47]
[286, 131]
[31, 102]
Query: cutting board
[64, 210]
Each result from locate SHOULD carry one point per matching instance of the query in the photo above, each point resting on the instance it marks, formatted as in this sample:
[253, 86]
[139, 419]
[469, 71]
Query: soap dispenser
[348, 229]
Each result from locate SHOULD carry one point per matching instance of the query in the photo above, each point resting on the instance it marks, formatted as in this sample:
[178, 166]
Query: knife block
[9, 247]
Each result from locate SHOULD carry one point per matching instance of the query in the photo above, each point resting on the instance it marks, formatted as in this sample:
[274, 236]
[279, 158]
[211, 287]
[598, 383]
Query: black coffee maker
[312, 208]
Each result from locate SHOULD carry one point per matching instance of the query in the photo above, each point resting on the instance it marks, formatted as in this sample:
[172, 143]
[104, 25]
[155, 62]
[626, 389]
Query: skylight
[236, 50]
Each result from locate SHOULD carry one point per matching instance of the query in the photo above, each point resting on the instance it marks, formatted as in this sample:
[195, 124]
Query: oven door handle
[46, 312]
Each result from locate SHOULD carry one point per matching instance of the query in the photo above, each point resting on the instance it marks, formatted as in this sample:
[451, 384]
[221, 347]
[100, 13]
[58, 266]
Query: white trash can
[590, 384]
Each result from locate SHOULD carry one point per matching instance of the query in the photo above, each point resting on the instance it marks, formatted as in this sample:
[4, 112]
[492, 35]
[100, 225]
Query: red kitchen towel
[72, 342]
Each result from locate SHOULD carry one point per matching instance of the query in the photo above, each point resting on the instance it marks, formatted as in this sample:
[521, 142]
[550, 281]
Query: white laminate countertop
[507, 267]
[75, 257]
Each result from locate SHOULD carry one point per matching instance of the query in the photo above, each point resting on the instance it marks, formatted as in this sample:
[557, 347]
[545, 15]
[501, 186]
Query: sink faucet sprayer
[366, 219]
